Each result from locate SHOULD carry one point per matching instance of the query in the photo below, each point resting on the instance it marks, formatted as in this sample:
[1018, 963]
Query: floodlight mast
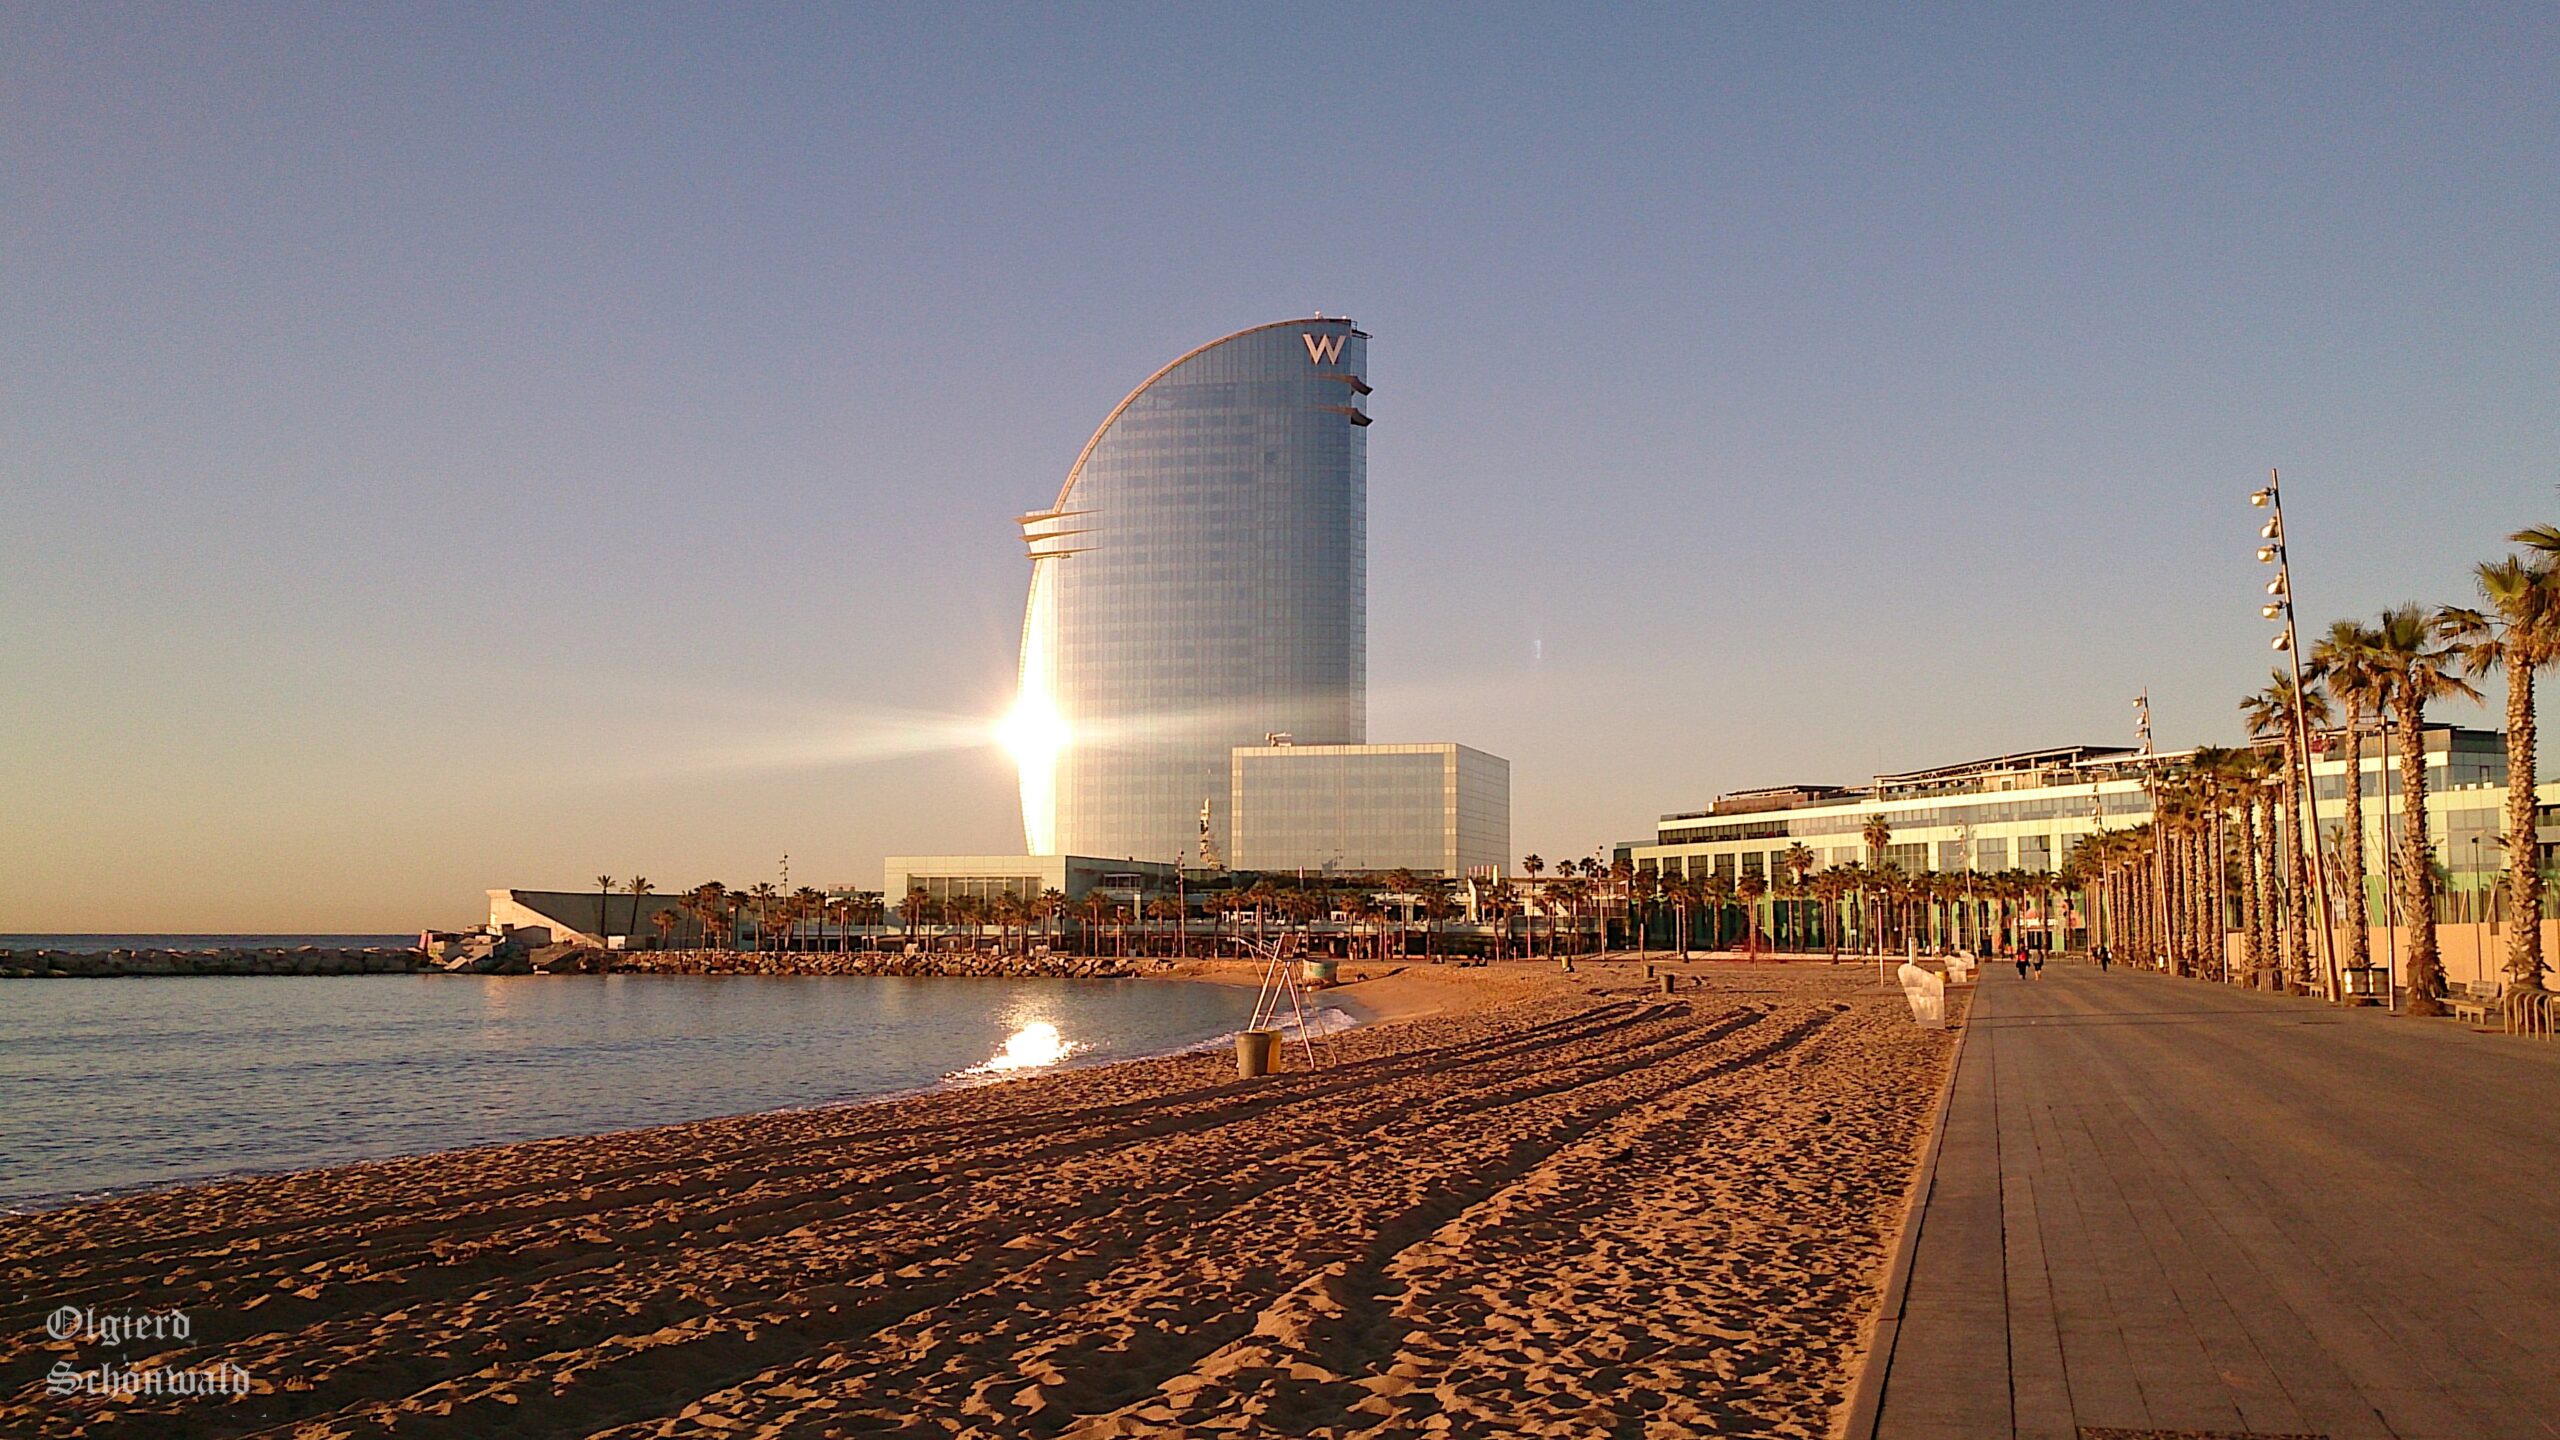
[2275, 552]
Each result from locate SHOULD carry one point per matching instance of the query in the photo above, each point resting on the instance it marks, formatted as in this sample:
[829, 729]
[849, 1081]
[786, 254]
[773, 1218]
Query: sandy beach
[1530, 1204]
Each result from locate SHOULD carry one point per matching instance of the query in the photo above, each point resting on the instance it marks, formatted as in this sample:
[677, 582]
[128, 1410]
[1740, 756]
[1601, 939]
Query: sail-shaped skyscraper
[1200, 584]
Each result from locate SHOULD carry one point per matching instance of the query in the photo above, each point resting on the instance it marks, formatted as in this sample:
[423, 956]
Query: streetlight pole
[2280, 607]
[2159, 907]
[2479, 917]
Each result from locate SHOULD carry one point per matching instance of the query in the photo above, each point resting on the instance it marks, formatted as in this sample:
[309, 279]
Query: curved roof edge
[1169, 367]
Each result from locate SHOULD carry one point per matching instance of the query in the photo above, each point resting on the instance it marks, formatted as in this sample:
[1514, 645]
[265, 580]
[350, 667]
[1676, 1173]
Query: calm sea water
[117, 1084]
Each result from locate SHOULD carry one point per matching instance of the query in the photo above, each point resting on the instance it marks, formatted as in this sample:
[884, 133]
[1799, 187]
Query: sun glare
[1033, 1046]
[1033, 731]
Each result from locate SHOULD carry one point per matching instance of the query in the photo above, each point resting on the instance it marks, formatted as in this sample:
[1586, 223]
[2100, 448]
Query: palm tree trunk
[2250, 956]
[2359, 922]
[2270, 953]
[2524, 875]
[2297, 938]
[2417, 868]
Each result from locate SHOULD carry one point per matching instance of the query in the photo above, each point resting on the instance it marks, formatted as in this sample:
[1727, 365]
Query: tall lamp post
[2279, 608]
[2159, 908]
[2479, 916]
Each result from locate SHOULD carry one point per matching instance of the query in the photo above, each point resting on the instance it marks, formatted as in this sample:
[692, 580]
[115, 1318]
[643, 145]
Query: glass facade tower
[1201, 583]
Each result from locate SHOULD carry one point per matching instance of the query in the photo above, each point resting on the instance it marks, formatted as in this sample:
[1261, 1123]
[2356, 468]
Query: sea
[116, 1085]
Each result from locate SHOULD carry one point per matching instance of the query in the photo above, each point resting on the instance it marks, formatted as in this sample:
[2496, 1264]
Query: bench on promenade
[2472, 1001]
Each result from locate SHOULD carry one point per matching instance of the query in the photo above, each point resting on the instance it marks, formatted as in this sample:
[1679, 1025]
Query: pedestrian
[2105, 958]
[2039, 962]
[2021, 958]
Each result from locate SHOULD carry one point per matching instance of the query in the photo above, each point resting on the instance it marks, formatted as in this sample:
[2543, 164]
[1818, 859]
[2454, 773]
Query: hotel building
[1194, 669]
[1201, 582]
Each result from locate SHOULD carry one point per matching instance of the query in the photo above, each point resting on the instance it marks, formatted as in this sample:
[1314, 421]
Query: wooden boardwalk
[2167, 1206]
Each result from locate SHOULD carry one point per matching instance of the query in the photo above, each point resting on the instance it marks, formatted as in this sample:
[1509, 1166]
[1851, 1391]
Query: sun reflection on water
[1032, 1047]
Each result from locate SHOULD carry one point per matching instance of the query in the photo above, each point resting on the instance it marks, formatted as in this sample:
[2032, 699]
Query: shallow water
[115, 1084]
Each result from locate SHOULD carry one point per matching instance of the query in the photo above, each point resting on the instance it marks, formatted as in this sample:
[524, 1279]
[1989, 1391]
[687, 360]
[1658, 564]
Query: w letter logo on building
[1324, 349]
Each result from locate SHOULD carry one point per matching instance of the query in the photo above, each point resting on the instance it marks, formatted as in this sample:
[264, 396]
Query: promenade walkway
[2165, 1206]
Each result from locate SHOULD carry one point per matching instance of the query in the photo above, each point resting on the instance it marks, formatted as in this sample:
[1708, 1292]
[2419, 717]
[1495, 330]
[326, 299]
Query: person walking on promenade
[2039, 963]
[2021, 958]
[2101, 956]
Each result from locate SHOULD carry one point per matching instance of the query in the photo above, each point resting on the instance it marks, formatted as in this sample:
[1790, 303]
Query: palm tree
[1798, 861]
[1878, 833]
[2345, 658]
[1682, 894]
[1570, 895]
[1749, 891]
[1501, 901]
[2519, 634]
[604, 920]
[638, 887]
[1828, 888]
[807, 903]
[1853, 877]
[911, 910]
[1437, 908]
[1044, 910]
[2248, 771]
[2270, 714]
[2409, 646]
[664, 922]
[1097, 909]
[1534, 866]
[1167, 911]
[1717, 893]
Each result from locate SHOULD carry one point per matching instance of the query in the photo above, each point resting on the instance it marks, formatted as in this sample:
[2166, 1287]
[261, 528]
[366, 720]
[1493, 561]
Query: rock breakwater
[977, 964]
[299, 960]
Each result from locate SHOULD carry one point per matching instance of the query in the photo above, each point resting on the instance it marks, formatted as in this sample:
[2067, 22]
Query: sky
[446, 448]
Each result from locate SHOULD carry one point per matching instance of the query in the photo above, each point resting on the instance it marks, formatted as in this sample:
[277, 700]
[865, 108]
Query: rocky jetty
[301, 960]
[979, 964]
[554, 960]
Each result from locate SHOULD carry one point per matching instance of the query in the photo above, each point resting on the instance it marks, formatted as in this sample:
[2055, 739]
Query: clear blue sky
[463, 447]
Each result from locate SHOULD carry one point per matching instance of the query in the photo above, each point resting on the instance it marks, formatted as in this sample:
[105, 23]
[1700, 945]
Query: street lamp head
[2283, 640]
[2259, 498]
[2266, 554]
[2270, 610]
[2275, 587]
[2271, 530]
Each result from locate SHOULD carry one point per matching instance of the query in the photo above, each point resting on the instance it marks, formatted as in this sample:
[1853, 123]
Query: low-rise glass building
[1432, 808]
[945, 878]
[2026, 811]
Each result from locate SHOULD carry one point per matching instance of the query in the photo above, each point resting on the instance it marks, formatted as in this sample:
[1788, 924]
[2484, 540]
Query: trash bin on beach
[1255, 1050]
[1670, 984]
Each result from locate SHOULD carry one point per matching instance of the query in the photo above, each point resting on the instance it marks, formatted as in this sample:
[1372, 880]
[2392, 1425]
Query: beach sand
[1543, 1205]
